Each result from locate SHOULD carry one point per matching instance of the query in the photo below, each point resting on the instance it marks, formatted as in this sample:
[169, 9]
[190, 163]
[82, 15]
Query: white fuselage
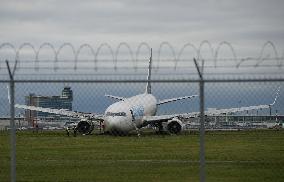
[127, 115]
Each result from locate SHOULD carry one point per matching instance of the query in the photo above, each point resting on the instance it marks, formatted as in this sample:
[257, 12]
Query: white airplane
[133, 113]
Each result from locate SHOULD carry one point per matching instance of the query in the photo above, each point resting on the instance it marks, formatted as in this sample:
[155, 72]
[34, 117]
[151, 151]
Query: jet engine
[85, 127]
[174, 126]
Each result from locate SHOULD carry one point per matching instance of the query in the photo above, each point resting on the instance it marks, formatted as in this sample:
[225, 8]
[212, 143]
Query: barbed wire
[114, 53]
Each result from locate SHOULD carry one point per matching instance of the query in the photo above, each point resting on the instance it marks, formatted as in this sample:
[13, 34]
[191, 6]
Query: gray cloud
[239, 22]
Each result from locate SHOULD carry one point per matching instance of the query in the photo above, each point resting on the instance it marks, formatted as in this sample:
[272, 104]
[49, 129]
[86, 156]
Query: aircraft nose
[111, 122]
[117, 123]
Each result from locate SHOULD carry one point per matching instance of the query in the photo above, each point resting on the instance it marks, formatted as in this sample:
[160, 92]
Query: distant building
[64, 101]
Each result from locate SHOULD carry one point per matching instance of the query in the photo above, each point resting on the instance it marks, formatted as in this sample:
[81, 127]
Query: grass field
[231, 156]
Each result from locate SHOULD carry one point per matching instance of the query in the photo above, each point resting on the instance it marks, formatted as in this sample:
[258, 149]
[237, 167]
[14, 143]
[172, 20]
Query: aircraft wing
[64, 112]
[215, 112]
[211, 112]
[241, 109]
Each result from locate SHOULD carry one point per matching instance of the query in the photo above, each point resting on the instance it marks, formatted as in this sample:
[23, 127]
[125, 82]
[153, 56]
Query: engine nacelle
[174, 126]
[85, 127]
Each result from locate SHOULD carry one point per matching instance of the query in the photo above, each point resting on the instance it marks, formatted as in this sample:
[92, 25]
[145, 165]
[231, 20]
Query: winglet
[277, 94]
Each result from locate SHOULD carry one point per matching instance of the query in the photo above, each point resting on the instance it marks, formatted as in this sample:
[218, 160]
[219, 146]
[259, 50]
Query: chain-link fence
[208, 115]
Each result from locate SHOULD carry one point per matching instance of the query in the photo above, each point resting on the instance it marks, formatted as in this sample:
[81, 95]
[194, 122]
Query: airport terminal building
[63, 101]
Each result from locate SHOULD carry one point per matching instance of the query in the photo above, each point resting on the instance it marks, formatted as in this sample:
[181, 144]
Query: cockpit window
[116, 114]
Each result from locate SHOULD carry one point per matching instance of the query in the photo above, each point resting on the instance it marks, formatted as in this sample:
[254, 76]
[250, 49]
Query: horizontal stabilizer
[115, 97]
[175, 99]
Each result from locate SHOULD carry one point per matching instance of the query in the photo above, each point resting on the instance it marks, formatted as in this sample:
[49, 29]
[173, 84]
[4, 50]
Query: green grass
[231, 156]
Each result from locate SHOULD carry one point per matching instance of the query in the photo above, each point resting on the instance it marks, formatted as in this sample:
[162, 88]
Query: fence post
[12, 120]
[202, 162]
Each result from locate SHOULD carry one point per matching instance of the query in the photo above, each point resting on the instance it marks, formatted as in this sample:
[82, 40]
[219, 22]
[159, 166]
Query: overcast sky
[247, 24]
[152, 21]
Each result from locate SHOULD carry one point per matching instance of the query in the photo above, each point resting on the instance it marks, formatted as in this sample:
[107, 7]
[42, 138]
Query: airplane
[136, 112]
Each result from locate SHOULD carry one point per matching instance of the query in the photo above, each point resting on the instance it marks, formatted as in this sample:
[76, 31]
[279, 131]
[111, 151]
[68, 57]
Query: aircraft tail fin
[9, 96]
[148, 86]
